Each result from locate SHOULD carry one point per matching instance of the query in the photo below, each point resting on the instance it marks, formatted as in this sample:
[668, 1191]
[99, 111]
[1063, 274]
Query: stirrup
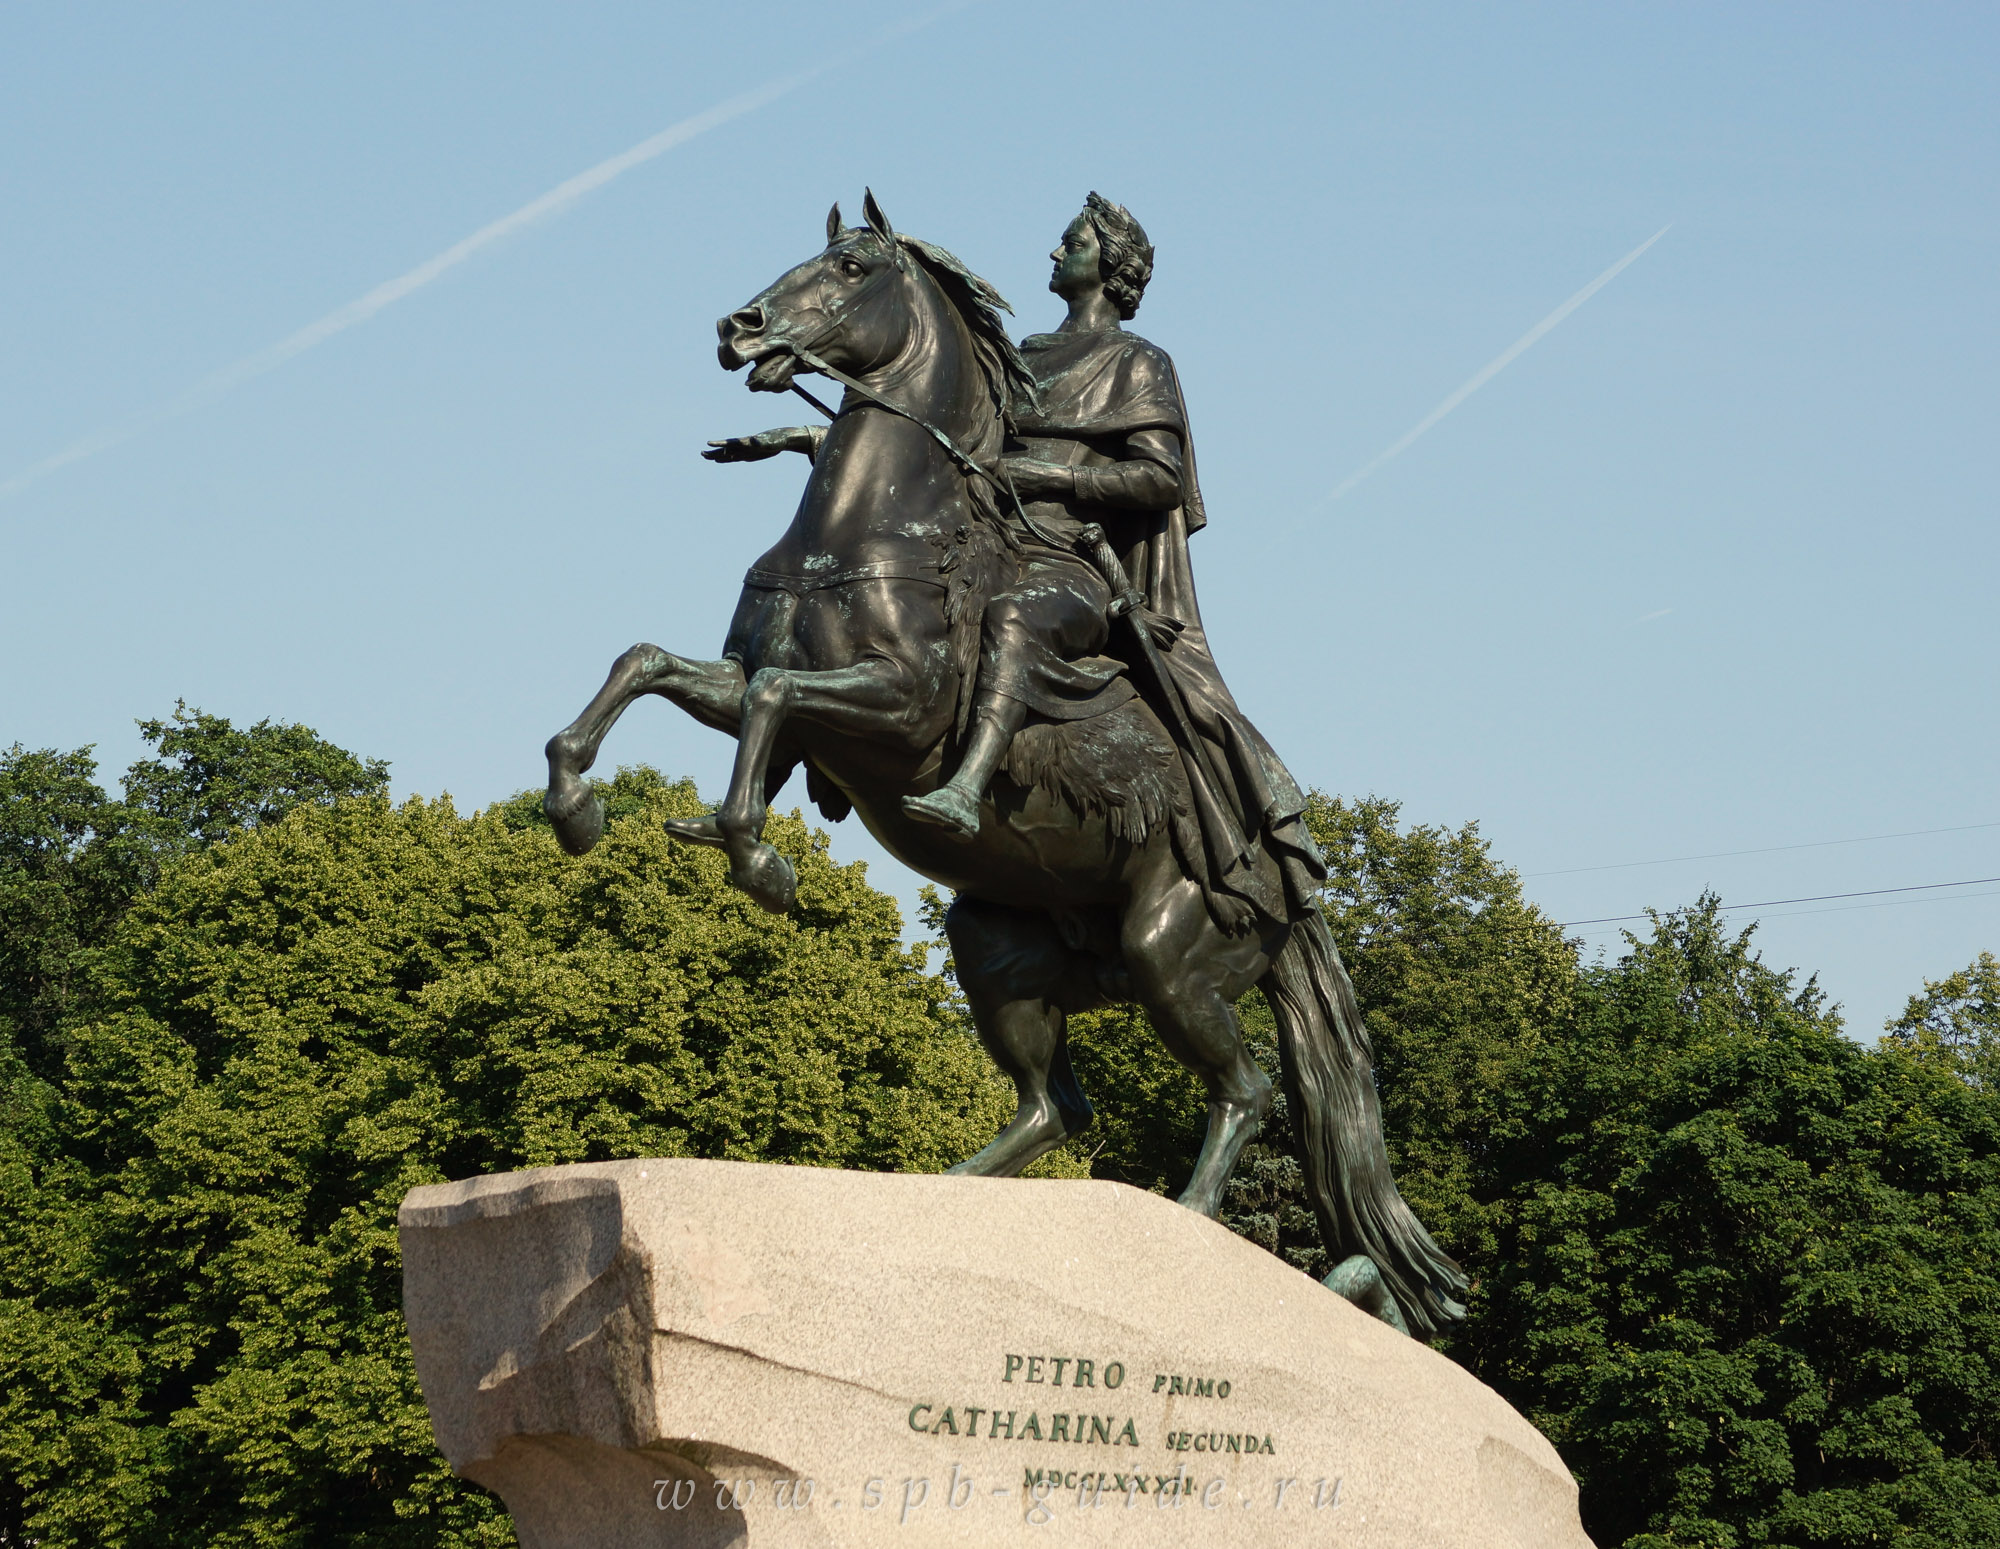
[704, 830]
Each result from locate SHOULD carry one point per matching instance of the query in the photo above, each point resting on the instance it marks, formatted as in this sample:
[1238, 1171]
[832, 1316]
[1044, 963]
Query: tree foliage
[72, 859]
[1744, 1272]
[215, 781]
[1741, 1269]
[1746, 1279]
[1955, 1023]
[201, 1340]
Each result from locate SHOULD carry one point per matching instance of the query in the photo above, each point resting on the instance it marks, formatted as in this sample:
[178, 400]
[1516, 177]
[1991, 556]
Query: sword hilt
[1124, 595]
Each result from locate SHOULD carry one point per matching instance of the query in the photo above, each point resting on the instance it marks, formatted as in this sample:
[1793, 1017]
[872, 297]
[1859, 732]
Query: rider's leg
[1021, 980]
[955, 804]
[710, 691]
[1052, 615]
[1188, 974]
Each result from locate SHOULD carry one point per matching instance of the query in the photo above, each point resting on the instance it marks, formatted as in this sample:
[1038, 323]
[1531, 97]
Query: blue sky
[1709, 568]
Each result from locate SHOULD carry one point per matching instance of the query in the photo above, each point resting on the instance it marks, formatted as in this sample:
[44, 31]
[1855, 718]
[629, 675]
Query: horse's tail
[1330, 1086]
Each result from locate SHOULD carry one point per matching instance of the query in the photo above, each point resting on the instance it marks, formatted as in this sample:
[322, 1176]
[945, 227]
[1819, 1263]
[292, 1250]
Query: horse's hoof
[948, 808]
[768, 878]
[701, 830]
[1202, 1204]
[1359, 1281]
[577, 816]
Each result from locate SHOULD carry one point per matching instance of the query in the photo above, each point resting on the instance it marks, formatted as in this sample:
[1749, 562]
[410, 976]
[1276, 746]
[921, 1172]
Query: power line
[1772, 849]
[1799, 914]
[1820, 898]
[1892, 903]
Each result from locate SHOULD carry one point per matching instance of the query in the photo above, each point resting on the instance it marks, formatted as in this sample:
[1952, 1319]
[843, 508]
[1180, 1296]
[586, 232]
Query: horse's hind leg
[711, 692]
[1187, 975]
[1021, 981]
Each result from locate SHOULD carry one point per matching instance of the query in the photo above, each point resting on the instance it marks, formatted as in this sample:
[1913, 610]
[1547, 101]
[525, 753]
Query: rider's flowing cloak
[1104, 389]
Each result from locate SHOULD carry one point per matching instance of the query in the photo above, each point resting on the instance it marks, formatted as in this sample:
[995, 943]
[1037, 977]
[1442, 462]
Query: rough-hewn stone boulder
[710, 1353]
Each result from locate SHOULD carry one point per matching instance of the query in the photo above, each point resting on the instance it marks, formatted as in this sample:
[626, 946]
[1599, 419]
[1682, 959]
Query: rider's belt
[881, 570]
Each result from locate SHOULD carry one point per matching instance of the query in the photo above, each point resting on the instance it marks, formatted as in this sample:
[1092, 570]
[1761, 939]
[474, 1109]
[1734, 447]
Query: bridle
[806, 353]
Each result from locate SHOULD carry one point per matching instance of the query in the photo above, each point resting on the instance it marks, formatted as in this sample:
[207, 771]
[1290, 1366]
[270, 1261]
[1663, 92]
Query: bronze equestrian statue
[980, 633]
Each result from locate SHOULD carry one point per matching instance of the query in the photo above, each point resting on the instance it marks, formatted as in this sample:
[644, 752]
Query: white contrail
[556, 200]
[1499, 363]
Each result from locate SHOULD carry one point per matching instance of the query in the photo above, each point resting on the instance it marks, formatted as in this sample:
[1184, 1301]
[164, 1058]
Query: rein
[973, 468]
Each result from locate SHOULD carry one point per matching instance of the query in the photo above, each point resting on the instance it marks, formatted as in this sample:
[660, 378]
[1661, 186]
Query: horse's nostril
[748, 319]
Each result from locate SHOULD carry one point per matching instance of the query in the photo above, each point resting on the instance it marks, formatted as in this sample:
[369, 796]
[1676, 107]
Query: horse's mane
[980, 305]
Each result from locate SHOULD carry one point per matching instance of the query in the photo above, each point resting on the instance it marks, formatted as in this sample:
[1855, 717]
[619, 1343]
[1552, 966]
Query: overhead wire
[1889, 903]
[1819, 898]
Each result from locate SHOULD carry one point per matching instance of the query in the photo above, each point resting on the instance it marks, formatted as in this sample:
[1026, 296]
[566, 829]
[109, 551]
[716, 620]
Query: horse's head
[850, 306]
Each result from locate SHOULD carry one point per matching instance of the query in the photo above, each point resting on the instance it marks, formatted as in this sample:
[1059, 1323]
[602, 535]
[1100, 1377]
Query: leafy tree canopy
[1955, 1023]
[1741, 1269]
[1749, 1280]
[201, 1340]
[72, 860]
[212, 781]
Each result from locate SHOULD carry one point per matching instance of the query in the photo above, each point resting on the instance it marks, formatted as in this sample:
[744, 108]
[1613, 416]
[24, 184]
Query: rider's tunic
[1110, 406]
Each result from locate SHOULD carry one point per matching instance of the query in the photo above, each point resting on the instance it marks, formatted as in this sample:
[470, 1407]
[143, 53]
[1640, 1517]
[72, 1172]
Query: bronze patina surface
[980, 634]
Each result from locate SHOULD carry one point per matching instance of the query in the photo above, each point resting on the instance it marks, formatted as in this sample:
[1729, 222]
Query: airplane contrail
[556, 200]
[1498, 364]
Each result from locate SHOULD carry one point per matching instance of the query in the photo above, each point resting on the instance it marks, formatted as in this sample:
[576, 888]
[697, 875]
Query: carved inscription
[1049, 1368]
[1194, 1387]
[996, 1420]
[1218, 1441]
[963, 1420]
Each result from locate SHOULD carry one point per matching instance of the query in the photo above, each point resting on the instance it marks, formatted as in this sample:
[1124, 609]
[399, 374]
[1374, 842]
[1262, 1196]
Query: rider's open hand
[754, 449]
[1035, 479]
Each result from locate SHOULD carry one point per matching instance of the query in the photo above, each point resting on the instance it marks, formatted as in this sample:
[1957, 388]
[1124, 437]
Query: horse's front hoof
[768, 878]
[576, 815]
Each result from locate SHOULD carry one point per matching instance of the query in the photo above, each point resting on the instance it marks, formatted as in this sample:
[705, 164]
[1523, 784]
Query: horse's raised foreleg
[1021, 981]
[712, 692]
[876, 698]
[1187, 974]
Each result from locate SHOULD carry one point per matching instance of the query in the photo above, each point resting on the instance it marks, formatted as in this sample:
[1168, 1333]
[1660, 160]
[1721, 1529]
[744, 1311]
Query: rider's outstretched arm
[768, 443]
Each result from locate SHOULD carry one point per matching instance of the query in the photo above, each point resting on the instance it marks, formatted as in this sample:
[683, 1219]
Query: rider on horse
[1155, 852]
[1103, 469]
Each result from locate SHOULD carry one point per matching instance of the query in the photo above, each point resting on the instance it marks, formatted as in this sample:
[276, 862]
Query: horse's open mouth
[773, 373]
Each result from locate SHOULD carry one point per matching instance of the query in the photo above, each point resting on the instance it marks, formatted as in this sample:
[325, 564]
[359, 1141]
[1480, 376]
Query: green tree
[72, 860]
[212, 781]
[1956, 1023]
[1746, 1272]
[61, 887]
[201, 1340]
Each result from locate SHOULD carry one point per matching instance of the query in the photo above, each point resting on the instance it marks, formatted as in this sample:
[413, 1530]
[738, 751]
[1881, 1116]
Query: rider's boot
[954, 806]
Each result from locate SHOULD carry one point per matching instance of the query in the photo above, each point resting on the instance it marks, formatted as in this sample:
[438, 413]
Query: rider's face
[1076, 259]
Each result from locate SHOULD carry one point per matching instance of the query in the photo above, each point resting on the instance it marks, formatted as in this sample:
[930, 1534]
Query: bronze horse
[851, 651]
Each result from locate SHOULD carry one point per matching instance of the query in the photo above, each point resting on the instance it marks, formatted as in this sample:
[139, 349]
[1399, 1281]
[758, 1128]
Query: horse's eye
[851, 268]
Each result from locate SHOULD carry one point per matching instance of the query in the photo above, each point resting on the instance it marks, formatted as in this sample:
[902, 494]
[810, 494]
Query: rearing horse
[851, 651]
